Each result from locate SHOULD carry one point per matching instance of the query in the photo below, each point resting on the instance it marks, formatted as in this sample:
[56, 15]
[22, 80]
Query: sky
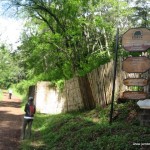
[10, 28]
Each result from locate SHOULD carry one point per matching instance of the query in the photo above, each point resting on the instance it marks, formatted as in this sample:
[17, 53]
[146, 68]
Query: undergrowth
[89, 130]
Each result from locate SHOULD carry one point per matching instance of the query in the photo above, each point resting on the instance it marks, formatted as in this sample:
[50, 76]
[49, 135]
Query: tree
[72, 37]
[141, 14]
[9, 70]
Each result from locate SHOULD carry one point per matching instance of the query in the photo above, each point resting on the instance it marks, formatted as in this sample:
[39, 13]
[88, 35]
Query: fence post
[114, 77]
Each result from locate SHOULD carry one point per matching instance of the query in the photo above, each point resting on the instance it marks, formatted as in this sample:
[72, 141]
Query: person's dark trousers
[27, 122]
[10, 94]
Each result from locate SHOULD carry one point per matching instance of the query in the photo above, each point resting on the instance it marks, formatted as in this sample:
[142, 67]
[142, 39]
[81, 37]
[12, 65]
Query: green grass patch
[88, 130]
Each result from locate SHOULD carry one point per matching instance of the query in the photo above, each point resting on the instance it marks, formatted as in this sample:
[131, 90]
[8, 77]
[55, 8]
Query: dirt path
[10, 122]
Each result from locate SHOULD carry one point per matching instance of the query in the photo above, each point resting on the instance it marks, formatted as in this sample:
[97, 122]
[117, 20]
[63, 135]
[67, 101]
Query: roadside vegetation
[89, 130]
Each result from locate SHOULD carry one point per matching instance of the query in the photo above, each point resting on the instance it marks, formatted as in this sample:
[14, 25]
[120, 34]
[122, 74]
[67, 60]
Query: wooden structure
[136, 39]
[135, 82]
[79, 92]
[136, 64]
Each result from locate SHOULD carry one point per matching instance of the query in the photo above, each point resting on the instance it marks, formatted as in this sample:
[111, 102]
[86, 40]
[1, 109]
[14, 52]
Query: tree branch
[46, 21]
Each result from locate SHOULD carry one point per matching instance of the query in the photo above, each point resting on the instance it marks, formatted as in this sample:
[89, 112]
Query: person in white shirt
[10, 93]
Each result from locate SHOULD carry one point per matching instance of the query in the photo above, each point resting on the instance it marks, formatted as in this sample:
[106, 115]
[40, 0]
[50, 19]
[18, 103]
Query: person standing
[30, 110]
[10, 93]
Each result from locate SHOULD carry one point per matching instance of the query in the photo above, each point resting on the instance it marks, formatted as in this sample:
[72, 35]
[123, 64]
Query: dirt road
[11, 117]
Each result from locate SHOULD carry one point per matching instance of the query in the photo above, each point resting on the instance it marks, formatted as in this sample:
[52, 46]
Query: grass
[89, 130]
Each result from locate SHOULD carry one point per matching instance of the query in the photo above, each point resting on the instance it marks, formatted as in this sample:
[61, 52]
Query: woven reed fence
[101, 80]
[94, 89]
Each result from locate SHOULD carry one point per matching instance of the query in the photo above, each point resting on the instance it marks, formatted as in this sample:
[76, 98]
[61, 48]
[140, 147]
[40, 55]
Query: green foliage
[124, 53]
[67, 70]
[67, 38]
[60, 84]
[10, 72]
[141, 14]
[23, 86]
[93, 61]
[62, 39]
